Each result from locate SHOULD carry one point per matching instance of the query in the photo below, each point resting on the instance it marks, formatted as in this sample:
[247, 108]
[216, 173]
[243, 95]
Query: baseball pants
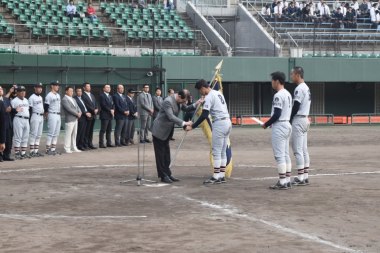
[300, 127]
[281, 132]
[54, 126]
[221, 130]
[36, 125]
[20, 132]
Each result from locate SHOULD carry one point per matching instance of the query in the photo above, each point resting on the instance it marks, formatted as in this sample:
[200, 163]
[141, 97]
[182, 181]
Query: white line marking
[316, 175]
[234, 212]
[73, 217]
[118, 166]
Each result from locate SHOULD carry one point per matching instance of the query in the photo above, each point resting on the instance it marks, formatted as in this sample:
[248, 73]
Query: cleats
[222, 180]
[297, 182]
[279, 186]
[212, 180]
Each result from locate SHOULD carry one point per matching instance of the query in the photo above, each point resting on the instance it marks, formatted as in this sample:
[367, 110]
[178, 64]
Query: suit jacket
[132, 108]
[157, 102]
[106, 105]
[2, 122]
[81, 107]
[121, 106]
[166, 119]
[70, 110]
[144, 104]
[90, 105]
[7, 116]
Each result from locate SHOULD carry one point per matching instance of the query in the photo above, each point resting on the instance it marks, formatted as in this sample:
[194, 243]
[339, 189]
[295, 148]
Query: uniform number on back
[221, 99]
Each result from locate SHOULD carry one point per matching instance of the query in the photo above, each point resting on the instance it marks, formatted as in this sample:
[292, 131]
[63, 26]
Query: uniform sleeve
[298, 95]
[208, 102]
[47, 100]
[30, 101]
[277, 102]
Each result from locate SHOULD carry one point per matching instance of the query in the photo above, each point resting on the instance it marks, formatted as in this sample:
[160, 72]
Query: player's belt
[22, 117]
[40, 114]
[215, 120]
[55, 113]
[300, 116]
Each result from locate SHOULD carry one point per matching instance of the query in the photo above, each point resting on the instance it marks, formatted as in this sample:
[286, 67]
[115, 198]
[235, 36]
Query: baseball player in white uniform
[52, 109]
[20, 107]
[281, 130]
[216, 106]
[300, 126]
[36, 109]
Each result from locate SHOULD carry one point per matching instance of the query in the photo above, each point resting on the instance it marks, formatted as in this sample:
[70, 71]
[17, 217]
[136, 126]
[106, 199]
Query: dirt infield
[75, 202]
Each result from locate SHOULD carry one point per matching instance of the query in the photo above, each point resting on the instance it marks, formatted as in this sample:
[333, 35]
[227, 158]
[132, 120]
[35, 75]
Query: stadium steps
[201, 42]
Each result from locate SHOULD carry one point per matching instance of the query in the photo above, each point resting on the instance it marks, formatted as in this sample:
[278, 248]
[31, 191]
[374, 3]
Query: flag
[206, 125]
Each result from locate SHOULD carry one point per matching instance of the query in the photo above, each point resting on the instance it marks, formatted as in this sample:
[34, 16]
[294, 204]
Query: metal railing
[219, 28]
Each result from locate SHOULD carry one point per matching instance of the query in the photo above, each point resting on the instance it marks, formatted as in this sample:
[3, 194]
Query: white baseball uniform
[54, 119]
[36, 120]
[300, 126]
[221, 126]
[20, 123]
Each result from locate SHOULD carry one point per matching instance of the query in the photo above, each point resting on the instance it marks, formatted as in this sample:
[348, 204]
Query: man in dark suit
[106, 116]
[82, 121]
[130, 132]
[92, 107]
[121, 116]
[162, 126]
[7, 124]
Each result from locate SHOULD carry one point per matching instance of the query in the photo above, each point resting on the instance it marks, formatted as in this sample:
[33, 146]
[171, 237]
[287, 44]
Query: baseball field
[76, 203]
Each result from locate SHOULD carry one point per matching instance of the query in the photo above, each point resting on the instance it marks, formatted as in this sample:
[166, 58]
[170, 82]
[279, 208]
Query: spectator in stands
[306, 13]
[350, 19]
[284, 6]
[71, 10]
[372, 13]
[277, 12]
[338, 18]
[355, 5]
[364, 8]
[302, 5]
[274, 4]
[337, 5]
[292, 12]
[296, 4]
[324, 12]
[169, 5]
[265, 11]
[142, 4]
[91, 13]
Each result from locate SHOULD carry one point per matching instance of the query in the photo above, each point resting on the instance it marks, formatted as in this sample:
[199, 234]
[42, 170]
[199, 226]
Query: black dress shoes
[92, 147]
[174, 179]
[102, 146]
[110, 145]
[172, 139]
[124, 144]
[147, 141]
[8, 159]
[166, 180]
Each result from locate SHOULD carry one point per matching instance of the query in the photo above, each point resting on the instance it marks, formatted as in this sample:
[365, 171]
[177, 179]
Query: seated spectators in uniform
[350, 19]
[324, 12]
[338, 18]
[266, 11]
[71, 10]
[292, 12]
[169, 5]
[355, 5]
[373, 13]
[91, 13]
[337, 5]
[364, 8]
[277, 12]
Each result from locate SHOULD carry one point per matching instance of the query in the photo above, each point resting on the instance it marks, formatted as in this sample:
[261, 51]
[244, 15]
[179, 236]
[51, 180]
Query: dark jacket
[106, 105]
[132, 108]
[121, 106]
[2, 122]
[90, 105]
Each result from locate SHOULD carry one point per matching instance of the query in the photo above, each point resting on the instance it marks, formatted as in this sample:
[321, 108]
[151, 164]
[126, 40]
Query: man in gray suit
[72, 113]
[157, 102]
[145, 110]
[162, 126]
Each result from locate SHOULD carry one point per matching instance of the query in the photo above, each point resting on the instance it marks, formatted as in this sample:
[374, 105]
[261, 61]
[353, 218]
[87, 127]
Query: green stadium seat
[103, 6]
[72, 32]
[113, 17]
[150, 35]
[36, 32]
[61, 32]
[131, 35]
[119, 22]
[10, 31]
[181, 35]
[84, 33]
[53, 51]
[39, 13]
[34, 19]
[95, 33]
[29, 24]
[49, 32]
[190, 35]
[107, 34]
[23, 18]
[16, 12]
[171, 36]
[142, 35]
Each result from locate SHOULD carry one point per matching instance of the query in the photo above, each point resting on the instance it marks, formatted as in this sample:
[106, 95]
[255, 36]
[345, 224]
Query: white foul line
[315, 175]
[73, 217]
[234, 212]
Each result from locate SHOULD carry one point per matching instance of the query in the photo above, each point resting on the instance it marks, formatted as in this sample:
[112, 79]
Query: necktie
[80, 99]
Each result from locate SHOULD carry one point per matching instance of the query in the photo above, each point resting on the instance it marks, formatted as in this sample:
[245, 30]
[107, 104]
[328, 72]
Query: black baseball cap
[38, 85]
[130, 91]
[55, 83]
[20, 88]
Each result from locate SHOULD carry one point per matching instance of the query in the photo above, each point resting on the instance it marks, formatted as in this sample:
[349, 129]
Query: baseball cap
[54, 83]
[130, 91]
[20, 88]
[38, 85]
